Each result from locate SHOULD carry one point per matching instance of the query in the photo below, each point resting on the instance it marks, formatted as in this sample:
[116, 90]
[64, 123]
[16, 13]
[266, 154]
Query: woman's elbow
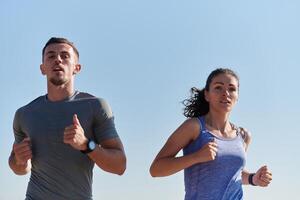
[153, 170]
[122, 167]
[122, 170]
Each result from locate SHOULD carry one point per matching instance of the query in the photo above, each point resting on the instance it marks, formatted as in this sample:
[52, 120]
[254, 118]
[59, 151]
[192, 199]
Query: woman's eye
[218, 87]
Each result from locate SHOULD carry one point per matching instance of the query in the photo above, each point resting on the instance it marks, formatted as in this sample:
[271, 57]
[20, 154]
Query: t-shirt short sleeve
[103, 125]
[18, 133]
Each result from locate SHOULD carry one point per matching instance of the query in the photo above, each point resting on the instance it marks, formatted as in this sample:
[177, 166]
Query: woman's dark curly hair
[196, 105]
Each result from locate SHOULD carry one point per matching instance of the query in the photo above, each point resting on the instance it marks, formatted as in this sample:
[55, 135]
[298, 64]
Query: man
[59, 136]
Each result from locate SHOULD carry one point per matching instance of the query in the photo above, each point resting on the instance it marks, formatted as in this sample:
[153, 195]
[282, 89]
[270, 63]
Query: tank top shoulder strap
[202, 123]
[244, 134]
[235, 127]
[239, 131]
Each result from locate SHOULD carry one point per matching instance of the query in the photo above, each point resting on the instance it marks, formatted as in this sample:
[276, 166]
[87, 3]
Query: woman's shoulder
[192, 126]
[192, 122]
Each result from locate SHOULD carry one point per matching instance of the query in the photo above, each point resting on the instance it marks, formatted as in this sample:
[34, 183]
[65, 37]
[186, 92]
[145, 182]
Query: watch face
[92, 145]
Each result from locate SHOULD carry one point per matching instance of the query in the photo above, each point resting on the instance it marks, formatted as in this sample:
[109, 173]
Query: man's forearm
[110, 160]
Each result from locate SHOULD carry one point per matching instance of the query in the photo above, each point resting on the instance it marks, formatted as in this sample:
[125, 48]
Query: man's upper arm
[113, 143]
[103, 125]
[18, 133]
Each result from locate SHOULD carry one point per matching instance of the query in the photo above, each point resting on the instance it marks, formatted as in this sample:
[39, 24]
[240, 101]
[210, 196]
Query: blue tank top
[219, 179]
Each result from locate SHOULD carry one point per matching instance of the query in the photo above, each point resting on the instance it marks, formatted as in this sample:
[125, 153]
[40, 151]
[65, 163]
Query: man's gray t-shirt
[58, 170]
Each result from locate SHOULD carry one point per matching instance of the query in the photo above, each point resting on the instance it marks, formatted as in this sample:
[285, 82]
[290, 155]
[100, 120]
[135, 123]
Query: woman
[213, 148]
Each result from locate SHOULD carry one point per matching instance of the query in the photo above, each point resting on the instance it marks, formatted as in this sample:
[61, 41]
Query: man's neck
[58, 93]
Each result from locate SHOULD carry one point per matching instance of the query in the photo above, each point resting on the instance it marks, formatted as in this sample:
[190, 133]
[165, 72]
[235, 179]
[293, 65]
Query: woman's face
[223, 93]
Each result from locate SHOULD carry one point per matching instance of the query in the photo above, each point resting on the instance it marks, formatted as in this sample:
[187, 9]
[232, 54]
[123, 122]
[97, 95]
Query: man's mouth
[58, 69]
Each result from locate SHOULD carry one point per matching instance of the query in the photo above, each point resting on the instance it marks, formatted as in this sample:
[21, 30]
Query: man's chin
[58, 82]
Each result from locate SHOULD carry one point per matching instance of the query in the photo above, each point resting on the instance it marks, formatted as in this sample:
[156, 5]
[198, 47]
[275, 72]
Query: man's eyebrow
[53, 52]
[50, 52]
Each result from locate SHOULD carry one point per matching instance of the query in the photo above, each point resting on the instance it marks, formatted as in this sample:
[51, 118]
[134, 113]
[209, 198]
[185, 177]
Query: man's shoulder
[89, 97]
[84, 95]
[98, 104]
[37, 101]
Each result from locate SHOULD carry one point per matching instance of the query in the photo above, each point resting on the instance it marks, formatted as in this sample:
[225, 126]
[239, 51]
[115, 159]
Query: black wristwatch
[90, 146]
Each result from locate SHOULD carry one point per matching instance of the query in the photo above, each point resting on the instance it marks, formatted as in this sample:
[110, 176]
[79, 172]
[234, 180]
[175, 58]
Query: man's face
[60, 63]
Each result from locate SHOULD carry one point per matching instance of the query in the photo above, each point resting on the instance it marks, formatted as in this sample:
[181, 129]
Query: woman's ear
[206, 97]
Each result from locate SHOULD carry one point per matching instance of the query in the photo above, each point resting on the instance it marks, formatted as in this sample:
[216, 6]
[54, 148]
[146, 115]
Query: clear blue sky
[143, 57]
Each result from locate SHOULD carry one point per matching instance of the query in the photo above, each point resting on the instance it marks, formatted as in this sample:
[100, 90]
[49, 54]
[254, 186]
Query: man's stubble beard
[58, 82]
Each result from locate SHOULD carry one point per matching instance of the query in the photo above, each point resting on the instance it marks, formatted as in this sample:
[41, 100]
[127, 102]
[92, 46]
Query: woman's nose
[226, 92]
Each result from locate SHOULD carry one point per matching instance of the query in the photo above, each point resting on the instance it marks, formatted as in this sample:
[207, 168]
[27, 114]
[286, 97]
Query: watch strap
[88, 149]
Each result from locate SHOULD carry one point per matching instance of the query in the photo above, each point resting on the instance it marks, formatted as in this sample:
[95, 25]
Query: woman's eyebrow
[218, 83]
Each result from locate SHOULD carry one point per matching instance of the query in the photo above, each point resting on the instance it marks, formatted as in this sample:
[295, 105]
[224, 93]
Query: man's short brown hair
[54, 40]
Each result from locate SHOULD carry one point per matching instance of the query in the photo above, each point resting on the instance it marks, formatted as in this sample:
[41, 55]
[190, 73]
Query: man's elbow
[20, 173]
[117, 168]
[17, 169]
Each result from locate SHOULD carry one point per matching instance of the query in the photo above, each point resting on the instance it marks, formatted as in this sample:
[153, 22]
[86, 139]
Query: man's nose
[58, 59]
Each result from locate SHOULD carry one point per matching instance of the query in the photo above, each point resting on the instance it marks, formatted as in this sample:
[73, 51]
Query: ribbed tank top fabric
[219, 179]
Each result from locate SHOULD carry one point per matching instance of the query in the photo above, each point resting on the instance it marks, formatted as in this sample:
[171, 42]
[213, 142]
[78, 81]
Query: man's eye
[65, 56]
[232, 89]
[218, 88]
[51, 56]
